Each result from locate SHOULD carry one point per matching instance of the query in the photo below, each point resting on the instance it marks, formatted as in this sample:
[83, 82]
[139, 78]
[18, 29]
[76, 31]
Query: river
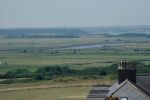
[86, 46]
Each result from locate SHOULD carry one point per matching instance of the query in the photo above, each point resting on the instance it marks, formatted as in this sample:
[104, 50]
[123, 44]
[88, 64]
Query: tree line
[53, 72]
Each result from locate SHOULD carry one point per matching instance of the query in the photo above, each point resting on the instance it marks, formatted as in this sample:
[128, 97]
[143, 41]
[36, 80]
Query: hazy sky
[62, 13]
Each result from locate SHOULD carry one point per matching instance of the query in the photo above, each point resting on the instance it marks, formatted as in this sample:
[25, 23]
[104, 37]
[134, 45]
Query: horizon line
[71, 26]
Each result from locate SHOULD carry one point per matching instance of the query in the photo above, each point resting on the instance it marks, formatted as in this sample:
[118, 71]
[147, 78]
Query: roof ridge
[140, 89]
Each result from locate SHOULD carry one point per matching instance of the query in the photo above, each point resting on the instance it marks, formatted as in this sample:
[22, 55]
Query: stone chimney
[126, 70]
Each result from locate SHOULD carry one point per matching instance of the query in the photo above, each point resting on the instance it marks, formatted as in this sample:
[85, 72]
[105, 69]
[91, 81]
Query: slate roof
[98, 92]
[116, 87]
[143, 81]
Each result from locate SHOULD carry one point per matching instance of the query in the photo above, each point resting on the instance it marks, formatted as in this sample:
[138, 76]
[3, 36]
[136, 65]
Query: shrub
[8, 81]
[18, 73]
[103, 72]
[53, 70]
[38, 77]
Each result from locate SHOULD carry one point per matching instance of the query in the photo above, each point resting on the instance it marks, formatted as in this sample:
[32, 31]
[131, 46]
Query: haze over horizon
[73, 13]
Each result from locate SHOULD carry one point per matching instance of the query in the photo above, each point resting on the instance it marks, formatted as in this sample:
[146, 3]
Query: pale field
[56, 84]
[69, 93]
[50, 90]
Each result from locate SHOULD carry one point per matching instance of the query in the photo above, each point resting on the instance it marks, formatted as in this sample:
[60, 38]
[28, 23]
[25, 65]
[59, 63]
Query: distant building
[130, 86]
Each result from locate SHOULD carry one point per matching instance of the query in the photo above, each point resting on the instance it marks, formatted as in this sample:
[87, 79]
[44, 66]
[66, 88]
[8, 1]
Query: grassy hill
[134, 35]
[42, 32]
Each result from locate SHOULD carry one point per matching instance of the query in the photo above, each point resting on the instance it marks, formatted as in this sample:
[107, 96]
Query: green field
[38, 54]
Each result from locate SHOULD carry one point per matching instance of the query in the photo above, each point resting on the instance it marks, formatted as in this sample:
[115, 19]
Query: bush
[53, 70]
[18, 73]
[38, 77]
[103, 72]
[8, 81]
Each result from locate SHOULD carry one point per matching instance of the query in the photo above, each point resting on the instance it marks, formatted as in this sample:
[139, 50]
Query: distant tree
[17, 73]
[51, 52]
[24, 51]
[40, 51]
[136, 50]
[106, 40]
[53, 70]
[118, 40]
[9, 43]
[103, 72]
[74, 51]
[56, 51]
[39, 77]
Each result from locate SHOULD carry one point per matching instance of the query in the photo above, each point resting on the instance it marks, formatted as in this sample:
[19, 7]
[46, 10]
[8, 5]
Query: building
[130, 86]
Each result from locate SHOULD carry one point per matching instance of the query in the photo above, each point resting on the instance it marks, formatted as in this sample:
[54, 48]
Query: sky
[73, 13]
